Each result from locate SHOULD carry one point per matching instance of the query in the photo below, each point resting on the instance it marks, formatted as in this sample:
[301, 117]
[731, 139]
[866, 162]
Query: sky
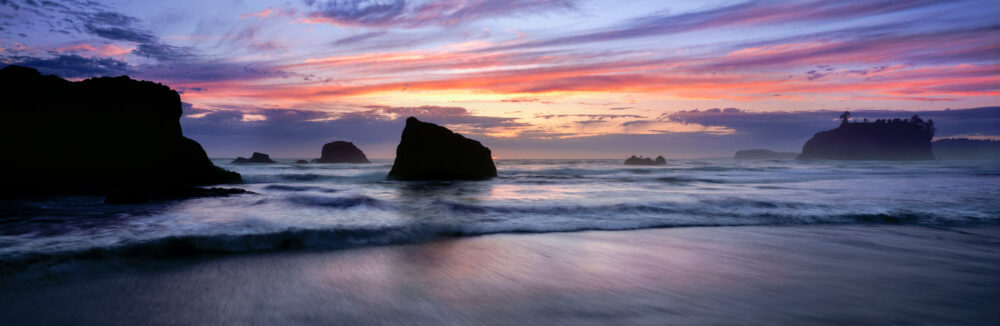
[529, 78]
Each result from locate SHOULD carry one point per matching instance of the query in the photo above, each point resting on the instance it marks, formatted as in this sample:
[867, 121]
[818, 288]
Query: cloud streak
[742, 14]
[74, 66]
[408, 13]
[521, 71]
[712, 132]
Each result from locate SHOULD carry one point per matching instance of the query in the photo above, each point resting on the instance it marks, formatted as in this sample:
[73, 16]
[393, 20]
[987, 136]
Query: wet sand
[713, 275]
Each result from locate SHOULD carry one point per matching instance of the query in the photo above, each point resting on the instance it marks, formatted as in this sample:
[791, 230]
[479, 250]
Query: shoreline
[184, 248]
[816, 274]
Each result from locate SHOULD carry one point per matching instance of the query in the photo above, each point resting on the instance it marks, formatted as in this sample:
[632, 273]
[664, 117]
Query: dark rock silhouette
[301, 162]
[341, 152]
[639, 160]
[95, 136]
[764, 154]
[255, 158]
[894, 140]
[428, 151]
[966, 149]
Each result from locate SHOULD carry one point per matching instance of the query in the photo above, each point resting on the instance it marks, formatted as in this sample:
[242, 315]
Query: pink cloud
[107, 50]
[269, 12]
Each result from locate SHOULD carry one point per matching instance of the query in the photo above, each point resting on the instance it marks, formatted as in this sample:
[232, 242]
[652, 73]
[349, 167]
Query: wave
[669, 174]
[739, 208]
[295, 210]
[623, 172]
[194, 245]
[339, 202]
[280, 187]
[351, 237]
[556, 172]
[313, 178]
[685, 180]
[638, 177]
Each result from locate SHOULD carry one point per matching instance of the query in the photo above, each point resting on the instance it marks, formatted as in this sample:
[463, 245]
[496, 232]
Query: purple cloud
[742, 14]
[403, 13]
[72, 66]
[358, 38]
[300, 133]
[225, 131]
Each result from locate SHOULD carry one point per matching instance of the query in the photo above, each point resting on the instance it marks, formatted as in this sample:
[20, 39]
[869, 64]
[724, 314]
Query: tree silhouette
[844, 117]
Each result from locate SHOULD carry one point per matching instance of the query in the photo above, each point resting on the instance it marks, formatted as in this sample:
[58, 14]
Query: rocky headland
[95, 136]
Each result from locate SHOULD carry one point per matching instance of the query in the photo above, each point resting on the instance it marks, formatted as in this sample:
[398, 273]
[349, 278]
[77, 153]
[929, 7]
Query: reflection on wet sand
[755, 275]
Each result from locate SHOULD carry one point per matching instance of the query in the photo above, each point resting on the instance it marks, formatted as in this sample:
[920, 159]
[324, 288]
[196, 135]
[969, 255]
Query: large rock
[893, 140]
[93, 136]
[639, 160]
[341, 152]
[428, 151]
[764, 154]
[255, 158]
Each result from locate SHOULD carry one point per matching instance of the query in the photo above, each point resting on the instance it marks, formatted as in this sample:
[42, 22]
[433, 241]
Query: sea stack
[428, 151]
[764, 154]
[95, 136]
[341, 152]
[255, 158]
[883, 139]
[639, 160]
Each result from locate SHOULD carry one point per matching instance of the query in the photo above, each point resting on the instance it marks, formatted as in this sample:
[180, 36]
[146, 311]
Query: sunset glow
[527, 69]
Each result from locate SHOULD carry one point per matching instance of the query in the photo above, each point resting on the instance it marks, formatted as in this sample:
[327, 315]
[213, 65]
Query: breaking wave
[319, 207]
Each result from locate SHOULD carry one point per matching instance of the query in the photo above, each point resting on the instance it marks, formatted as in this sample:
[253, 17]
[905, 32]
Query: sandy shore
[721, 275]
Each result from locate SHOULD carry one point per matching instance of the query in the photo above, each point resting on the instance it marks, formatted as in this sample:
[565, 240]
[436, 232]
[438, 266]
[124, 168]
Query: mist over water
[323, 206]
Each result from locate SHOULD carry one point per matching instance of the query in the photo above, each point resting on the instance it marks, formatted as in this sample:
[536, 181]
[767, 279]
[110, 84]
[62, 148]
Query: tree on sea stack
[890, 140]
[428, 151]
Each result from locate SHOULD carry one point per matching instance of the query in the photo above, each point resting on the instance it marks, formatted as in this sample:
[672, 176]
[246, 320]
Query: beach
[529, 162]
[755, 275]
[547, 242]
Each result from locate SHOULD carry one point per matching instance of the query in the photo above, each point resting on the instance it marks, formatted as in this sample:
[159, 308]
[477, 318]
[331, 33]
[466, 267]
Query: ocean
[548, 242]
[330, 206]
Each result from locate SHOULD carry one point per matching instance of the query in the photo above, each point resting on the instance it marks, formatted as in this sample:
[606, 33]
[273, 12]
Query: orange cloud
[748, 74]
[916, 84]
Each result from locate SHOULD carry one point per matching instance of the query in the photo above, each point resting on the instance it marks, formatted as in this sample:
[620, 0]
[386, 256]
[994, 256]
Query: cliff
[893, 140]
[966, 149]
[764, 154]
[428, 151]
[95, 136]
